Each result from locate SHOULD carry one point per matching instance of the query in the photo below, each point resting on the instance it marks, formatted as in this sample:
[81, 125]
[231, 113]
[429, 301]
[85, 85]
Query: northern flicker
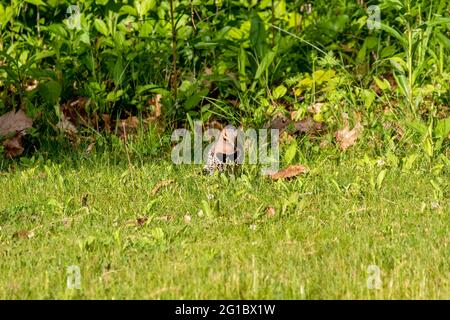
[223, 152]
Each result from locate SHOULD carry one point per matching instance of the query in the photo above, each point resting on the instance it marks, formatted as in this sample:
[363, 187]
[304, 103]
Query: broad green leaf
[118, 72]
[418, 127]
[382, 84]
[205, 45]
[193, 100]
[101, 27]
[242, 62]
[391, 31]
[380, 178]
[36, 2]
[409, 161]
[50, 91]
[258, 35]
[279, 92]
[291, 152]
[114, 96]
[265, 63]
[157, 233]
[442, 128]
[402, 84]
[443, 39]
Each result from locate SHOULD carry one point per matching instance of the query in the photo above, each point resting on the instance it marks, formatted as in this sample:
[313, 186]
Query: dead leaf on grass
[346, 137]
[289, 172]
[161, 184]
[107, 122]
[14, 122]
[165, 218]
[13, 146]
[90, 147]
[156, 101]
[66, 125]
[137, 222]
[270, 212]
[316, 107]
[24, 234]
[128, 126]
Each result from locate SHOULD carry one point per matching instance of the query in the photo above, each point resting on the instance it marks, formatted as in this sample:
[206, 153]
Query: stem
[273, 23]
[38, 25]
[410, 78]
[174, 51]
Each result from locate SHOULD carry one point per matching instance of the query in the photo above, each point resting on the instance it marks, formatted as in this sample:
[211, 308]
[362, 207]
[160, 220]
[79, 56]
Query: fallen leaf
[345, 137]
[13, 146]
[316, 107]
[308, 126]
[137, 222]
[160, 184]
[305, 125]
[75, 111]
[289, 172]
[67, 222]
[128, 126]
[165, 218]
[270, 211]
[157, 103]
[107, 122]
[90, 147]
[31, 84]
[280, 122]
[24, 234]
[66, 125]
[14, 122]
[214, 124]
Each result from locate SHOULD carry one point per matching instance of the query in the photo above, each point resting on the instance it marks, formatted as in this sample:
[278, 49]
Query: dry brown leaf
[308, 126]
[316, 107]
[66, 125]
[14, 122]
[160, 184]
[289, 172]
[130, 123]
[90, 147]
[31, 84]
[75, 110]
[280, 122]
[214, 124]
[13, 146]
[305, 125]
[24, 234]
[345, 137]
[286, 138]
[107, 122]
[156, 113]
[128, 126]
[270, 212]
[156, 101]
[137, 222]
[165, 218]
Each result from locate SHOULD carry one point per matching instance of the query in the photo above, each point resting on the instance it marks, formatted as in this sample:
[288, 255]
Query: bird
[224, 151]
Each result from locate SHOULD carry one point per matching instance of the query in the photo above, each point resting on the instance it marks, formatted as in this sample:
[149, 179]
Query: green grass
[329, 226]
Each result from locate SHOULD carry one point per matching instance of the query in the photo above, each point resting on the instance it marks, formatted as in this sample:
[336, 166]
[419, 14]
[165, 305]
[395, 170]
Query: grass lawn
[202, 237]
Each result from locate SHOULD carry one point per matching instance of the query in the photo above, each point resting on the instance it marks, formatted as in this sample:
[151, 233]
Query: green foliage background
[269, 56]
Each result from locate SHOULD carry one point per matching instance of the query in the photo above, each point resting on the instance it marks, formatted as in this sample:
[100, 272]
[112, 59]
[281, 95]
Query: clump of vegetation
[234, 62]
